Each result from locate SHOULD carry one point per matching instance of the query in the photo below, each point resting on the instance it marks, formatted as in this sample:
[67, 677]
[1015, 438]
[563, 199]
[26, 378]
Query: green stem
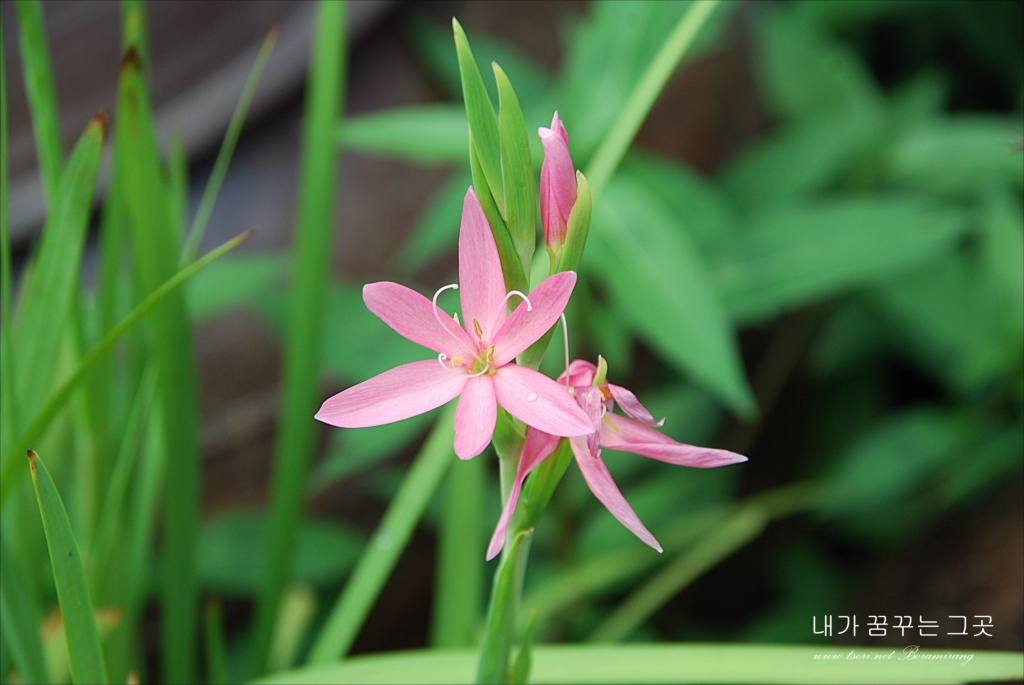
[618, 139]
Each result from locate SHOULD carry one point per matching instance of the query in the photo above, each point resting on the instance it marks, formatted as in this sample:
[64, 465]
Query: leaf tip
[101, 121]
[271, 38]
[131, 60]
[32, 459]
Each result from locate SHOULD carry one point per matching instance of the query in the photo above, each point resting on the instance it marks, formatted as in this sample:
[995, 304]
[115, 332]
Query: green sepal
[516, 170]
[482, 123]
[511, 267]
[577, 230]
[540, 485]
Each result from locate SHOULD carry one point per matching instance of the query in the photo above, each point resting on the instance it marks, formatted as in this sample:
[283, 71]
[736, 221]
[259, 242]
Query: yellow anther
[479, 331]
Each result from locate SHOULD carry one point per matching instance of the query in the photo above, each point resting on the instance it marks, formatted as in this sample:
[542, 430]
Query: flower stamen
[453, 286]
[529, 305]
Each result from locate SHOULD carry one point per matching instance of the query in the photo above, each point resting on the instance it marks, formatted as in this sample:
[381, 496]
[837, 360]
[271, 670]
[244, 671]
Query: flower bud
[557, 185]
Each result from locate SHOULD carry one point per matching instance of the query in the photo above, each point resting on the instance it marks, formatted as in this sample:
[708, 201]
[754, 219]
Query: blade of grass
[678, 663]
[59, 396]
[216, 652]
[733, 534]
[8, 416]
[227, 149]
[458, 591]
[155, 249]
[42, 96]
[304, 337]
[392, 535]
[47, 296]
[19, 619]
[84, 652]
[618, 139]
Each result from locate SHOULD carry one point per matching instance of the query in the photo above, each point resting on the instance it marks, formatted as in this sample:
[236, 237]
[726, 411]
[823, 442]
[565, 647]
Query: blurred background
[848, 175]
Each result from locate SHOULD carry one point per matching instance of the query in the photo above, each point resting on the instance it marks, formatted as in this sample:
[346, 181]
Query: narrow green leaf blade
[390, 538]
[48, 295]
[304, 338]
[42, 96]
[516, 171]
[434, 133]
[681, 663]
[659, 281]
[482, 124]
[84, 651]
[19, 619]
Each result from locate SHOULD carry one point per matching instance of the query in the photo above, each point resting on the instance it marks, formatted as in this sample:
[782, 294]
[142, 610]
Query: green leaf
[881, 471]
[216, 655]
[55, 401]
[482, 124]
[84, 651]
[516, 278]
[47, 297]
[959, 155]
[459, 583]
[802, 159]
[660, 283]
[437, 230]
[802, 253]
[679, 663]
[233, 282]
[232, 552]
[42, 97]
[227, 148]
[156, 245]
[516, 171]
[434, 133]
[718, 544]
[304, 341]
[388, 541]
[807, 73]
[19, 618]
[520, 673]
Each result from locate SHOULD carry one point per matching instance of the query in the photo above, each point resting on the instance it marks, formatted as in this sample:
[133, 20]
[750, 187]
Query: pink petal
[601, 484]
[557, 182]
[538, 446]
[475, 417]
[630, 436]
[394, 395]
[631, 405]
[581, 372]
[481, 284]
[526, 325]
[590, 400]
[412, 316]
[538, 401]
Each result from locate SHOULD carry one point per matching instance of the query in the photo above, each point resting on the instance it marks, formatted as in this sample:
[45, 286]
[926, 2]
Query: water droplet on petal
[532, 397]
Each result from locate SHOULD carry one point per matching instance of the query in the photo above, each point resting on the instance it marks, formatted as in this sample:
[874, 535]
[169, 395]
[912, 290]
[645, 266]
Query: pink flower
[557, 184]
[473, 362]
[614, 432]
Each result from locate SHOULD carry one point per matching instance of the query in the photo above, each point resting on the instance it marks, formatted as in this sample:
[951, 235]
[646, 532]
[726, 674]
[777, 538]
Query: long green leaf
[8, 417]
[482, 124]
[19, 619]
[42, 96]
[502, 614]
[59, 396]
[458, 591]
[516, 171]
[155, 241]
[304, 339]
[227, 149]
[659, 281]
[643, 96]
[800, 253]
[719, 543]
[84, 651]
[47, 298]
[689, 663]
[387, 543]
[423, 133]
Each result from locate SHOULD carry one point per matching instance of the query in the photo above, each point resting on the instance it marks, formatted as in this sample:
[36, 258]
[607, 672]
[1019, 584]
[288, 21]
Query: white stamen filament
[565, 337]
[529, 305]
[453, 286]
